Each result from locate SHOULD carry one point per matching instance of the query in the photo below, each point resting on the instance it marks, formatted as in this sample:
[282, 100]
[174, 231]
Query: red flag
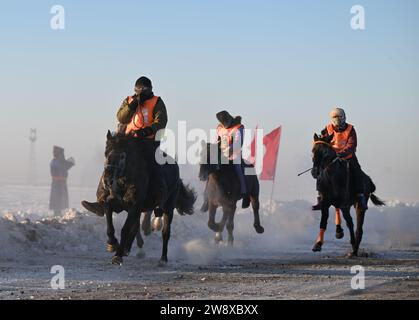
[271, 143]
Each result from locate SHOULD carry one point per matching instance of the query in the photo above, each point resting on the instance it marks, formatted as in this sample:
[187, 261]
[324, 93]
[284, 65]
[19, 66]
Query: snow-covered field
[275, 265]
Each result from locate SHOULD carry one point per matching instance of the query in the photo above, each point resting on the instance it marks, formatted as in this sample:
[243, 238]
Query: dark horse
[131, 178]
[223, 189]
[336, 179]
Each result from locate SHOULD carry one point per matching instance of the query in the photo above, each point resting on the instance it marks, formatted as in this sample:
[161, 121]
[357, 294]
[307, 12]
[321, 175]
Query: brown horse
[223, 190]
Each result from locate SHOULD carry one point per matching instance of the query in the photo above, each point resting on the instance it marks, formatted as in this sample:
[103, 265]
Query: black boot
[362, 202]
[245, 200]
[94, 207]
[317, 206]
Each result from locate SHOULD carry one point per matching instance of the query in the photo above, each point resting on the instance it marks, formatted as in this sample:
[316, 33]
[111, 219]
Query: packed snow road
[278, 264]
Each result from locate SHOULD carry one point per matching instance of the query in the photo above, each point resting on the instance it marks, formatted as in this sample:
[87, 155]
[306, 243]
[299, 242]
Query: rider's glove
[144, 132]
[134, 103]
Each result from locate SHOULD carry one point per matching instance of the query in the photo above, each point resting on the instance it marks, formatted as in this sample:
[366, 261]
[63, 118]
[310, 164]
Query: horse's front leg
[112, 243]
[323, 226]
[229, 212]
[350, 224]
[128, 232]
[360, 217]
[219, 227]
[211, 217]
[167, 217]
[140, 243]
[256, 222]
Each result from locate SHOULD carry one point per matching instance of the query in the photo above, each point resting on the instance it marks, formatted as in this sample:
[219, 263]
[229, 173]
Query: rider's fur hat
[227, 120]
[144, 82]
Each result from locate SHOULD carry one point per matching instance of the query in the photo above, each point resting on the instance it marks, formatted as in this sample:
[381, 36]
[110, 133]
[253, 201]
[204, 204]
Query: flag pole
[273, 180]
[272, 193]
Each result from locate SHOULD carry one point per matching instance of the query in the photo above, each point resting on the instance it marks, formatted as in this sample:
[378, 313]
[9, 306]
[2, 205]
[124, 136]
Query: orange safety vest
[340, 139]
[143, 116]
[227, 135]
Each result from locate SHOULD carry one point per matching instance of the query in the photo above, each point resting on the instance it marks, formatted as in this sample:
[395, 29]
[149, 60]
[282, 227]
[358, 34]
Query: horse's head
[323, 153]
[115, 161]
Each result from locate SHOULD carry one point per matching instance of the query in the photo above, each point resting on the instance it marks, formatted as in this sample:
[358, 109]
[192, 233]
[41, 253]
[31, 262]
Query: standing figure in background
[59, 166]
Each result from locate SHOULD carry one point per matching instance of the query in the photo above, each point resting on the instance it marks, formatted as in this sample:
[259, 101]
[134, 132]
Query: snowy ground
[276, 265]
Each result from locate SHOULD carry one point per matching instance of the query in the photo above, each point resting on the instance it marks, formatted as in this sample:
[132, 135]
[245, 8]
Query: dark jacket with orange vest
[152, 113]
[345, 143]
[231, 139]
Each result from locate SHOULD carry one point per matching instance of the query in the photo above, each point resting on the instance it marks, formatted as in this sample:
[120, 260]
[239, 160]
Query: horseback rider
[344, 142]
[230, 133]
[142, 116]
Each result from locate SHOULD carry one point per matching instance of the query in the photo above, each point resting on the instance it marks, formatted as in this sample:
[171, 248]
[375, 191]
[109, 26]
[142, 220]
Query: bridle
[329, 145]
[118, 171]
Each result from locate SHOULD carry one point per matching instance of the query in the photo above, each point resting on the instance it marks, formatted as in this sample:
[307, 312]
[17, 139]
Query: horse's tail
[376, 200]
[185, 200]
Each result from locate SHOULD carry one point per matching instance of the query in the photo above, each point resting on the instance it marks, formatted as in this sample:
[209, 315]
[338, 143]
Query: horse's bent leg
[112, 243]
[256, 222]
[360, 216]
[323, 226]
[349, 222]
[168, 217]
[146, 224]
[338, 220]
[211, 217]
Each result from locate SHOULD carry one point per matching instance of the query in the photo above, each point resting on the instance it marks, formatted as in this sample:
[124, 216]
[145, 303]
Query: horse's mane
[131, 144]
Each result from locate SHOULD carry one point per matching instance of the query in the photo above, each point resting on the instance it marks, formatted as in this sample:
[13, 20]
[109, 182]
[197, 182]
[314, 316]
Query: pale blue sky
[273, 62]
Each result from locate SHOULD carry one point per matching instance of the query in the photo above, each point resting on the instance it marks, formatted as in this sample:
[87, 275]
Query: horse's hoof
[117, 260]
[140, 254]
[213, 226]
[157, 223]
[350, 255]
[218, 237]
[259, 228]
[317, 247]
[162, 263]
[112, 247]
[339, 232]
